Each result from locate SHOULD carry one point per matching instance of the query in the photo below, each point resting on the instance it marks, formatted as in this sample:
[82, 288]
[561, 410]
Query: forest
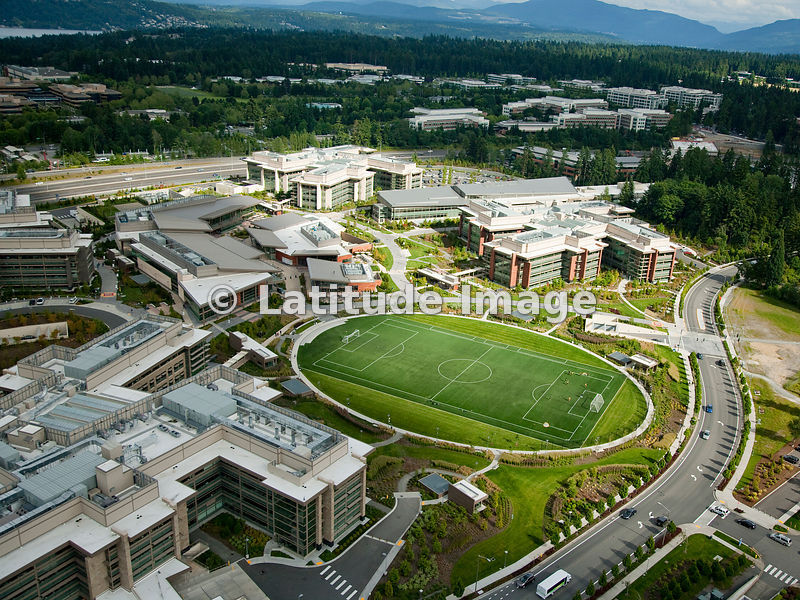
[191, 57]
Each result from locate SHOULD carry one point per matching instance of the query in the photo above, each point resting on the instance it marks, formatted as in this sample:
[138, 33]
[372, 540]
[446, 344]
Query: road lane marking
[784, 576]
[772, 571]
[330, 574]
[777, 574]
[701, 324]
[768, 567]
[353, 593]
[325, 570]
[341, 584]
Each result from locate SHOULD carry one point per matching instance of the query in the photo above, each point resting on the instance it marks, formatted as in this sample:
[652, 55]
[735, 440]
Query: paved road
[50, 191]
[346, 577]
[684, 494]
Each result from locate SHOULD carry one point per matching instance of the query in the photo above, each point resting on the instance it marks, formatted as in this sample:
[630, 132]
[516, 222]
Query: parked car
[73, 300]
[39, 301]
[627, 513]
[709, 408]
[705, 434]
[31, 302]
[163, 427]
[720, 362]
[699, 357]
[792, 460]
[525, 579]
[746, 523]
[720, 510]
[781, 539]
[661, 521]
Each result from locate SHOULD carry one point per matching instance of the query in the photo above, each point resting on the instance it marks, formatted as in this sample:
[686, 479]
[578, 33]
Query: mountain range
[586, 20]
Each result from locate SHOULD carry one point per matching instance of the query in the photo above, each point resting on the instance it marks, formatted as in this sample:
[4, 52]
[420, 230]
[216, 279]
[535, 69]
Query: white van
[553, 583]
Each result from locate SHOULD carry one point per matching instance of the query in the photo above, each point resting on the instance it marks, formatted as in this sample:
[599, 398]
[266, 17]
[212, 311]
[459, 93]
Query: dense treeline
[194, 56]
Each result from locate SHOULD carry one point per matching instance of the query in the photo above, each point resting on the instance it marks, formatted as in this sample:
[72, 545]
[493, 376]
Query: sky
[726, 15]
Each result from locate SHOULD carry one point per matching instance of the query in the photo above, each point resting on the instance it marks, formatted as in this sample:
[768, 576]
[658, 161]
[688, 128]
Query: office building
[643, 119]
[566, 162]
[424, 204]
[326, 178]
[113, 516]
[447, 119]
[534, 240]
[16, 210]
[524, 126]
[293, 238]
[75, 95]
[509, 79]
[36, 73]
[628, 97]
[588, 117]
[40, 258]
[684, 146]
[691, 97]
[327, 275]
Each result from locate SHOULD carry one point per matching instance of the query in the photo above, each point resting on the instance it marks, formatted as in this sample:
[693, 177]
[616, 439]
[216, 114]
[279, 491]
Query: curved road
[686, 491]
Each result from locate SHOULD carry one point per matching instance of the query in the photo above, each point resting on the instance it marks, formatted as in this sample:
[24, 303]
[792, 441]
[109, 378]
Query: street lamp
[505, 558]
[477, 567]
[247, 547]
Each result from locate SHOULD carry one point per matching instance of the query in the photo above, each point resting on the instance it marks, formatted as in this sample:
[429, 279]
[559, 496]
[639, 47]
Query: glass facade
[43, 271]
[152, 548]
[59, 575]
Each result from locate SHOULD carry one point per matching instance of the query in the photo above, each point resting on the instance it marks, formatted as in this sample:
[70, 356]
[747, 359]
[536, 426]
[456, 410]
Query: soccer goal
[597, 403]
[350, 336]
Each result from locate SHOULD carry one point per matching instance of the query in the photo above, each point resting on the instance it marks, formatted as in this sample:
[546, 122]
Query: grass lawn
[473, 461]
[548, 387]
[133, 294]
[319, 411]
[695, 547]
[384, 256]
[794, 521]
[731, 540]
[773, 432]
[644, 303]
[758, 310]
[619, 308]
[529, 489]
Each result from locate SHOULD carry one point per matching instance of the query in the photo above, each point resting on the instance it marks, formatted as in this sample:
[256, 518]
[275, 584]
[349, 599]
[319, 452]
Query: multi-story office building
[691, 97]
[292, 238]
[424, 204]
[41, 258]
[75, 95]
[113, 516]
[629, 97]
[588, 117]
[531, 240]
[447, 119]
[566, 162]
[509, 79]
[37, 73]
[16, 211]
[642, 119]
[325, 178]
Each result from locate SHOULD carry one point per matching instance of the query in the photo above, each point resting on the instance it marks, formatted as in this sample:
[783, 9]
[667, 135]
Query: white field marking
[456, 380]
[467, 368]
[346, 346]
[701, 323]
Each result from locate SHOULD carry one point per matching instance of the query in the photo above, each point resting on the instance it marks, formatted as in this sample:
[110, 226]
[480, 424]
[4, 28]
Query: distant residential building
[41, 259]
[691, 97]
[37, 73]
[448, 119]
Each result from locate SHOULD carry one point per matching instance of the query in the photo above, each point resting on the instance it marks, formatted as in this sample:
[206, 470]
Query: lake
[7, 32]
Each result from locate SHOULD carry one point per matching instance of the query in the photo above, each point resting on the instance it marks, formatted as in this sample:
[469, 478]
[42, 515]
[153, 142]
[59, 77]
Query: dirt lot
[764, 331]
[724, 142]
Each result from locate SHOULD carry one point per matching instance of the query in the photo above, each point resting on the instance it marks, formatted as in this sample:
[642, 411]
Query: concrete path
[396, 437]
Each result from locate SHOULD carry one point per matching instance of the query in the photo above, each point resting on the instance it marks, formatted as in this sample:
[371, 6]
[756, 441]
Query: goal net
[350, 336]
[596, 404]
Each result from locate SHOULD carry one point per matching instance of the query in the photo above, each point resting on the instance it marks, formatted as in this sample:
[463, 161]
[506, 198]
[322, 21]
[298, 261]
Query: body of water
[7, 32]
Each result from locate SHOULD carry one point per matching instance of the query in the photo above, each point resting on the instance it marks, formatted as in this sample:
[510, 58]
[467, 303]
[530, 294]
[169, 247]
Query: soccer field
[541, 394]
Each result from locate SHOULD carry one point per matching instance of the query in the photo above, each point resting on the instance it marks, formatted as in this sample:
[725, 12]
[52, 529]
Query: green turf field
[542, 388]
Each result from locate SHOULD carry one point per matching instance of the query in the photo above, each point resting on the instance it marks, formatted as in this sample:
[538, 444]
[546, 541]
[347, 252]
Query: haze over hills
[586, 20]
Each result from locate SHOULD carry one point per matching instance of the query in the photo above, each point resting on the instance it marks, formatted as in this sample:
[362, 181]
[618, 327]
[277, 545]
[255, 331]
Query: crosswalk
[338, 583]
[780, 575]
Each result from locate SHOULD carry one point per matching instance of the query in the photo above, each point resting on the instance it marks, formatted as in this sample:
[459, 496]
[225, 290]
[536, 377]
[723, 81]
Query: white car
[720, 510]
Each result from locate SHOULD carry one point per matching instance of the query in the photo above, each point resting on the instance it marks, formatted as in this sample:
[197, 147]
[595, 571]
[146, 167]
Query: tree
[21, 174]
[626, 195]
[776, 263]
[590, 589]
[671, 527]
